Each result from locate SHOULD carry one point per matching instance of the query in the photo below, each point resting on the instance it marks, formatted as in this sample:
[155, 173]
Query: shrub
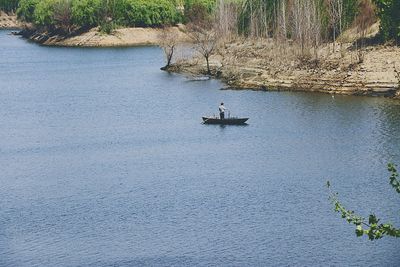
[147, 13]
[26, 10]
[8, 5]
[85, 13]
[389, 14]
[89, 13]
[107, 27]
[44, 13]
[198, 11]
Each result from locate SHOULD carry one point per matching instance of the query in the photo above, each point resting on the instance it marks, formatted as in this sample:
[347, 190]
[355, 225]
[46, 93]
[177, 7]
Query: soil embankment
[95, 38]
[260, 65]
[9, 21]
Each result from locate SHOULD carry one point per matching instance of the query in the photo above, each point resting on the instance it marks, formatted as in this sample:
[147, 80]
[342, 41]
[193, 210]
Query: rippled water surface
[104, 162]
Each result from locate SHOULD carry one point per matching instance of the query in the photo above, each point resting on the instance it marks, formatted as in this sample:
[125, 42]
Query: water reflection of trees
[390, 129]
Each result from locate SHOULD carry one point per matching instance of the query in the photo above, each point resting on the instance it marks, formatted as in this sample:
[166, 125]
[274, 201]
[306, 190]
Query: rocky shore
[258, 65]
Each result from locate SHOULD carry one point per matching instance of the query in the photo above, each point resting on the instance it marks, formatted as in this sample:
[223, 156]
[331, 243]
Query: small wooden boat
[226, 121]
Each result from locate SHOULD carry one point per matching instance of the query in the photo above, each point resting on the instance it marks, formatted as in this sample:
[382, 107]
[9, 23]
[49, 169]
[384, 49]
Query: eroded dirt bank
[9, 21]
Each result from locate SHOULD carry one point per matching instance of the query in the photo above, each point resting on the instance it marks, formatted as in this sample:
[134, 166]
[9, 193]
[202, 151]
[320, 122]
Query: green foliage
[26, 10]
[8, 5]
[85, 13]
[90, 13]
[389, 15]
[44, 12]
[394, 182]
[199, 11]
[108, 27]
[146, 13]
[373, 228]
[349, 12]
[209, 5]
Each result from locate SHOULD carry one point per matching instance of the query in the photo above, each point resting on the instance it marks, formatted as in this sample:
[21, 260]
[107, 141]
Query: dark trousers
[222, 115]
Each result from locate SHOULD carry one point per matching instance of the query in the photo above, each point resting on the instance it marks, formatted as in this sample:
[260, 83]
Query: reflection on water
[105, 162]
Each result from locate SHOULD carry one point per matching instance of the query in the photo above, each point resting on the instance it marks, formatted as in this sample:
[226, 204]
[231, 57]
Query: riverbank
[9, 21]
[265, 65]
[95, 38]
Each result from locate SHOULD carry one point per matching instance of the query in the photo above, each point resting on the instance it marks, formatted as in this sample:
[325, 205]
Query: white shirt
[222, 108]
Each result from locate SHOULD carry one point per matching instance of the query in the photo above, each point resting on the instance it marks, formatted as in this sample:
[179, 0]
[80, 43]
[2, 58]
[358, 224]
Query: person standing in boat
[222, 109]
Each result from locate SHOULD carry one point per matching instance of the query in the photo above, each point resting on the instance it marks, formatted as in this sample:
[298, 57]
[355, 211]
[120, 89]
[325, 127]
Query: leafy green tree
[349, 12]
[373, 228]
[26, 10]
[104, 13]
[63, 15]
[389, 14]
[199, 11]
[147, 13]
[8, 5]
[85, 13]
[44, 13]
[209, 5]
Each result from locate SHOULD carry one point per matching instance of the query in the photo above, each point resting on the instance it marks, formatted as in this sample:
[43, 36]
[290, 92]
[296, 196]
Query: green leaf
[359, 230]
[372, 219]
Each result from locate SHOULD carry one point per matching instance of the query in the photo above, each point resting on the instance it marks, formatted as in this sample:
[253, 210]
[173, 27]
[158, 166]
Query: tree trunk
[334, 39]
[208, 66]
[170, 55]
[284, 30]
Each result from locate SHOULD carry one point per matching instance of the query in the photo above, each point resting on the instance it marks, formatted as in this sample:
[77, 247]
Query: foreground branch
[373, 229]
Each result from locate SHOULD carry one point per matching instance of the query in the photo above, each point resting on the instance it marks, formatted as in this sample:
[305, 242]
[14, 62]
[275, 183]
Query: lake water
[104, 162]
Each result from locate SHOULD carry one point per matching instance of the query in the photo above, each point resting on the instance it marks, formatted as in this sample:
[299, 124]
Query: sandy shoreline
[95, 38]
[9, 22]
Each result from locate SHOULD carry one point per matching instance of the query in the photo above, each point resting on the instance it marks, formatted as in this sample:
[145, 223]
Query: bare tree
[260, 14]
[63, 15]
[205, 42]
[281, 18]
[168, 42]
[226, 19]
[335, 9]
[305, 24]
[363, 21]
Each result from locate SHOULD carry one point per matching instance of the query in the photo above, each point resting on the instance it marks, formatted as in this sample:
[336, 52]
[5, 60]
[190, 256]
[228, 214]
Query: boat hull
[227, 121]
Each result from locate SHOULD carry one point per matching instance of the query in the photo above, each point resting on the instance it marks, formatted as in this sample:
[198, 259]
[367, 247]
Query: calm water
[104, 162]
